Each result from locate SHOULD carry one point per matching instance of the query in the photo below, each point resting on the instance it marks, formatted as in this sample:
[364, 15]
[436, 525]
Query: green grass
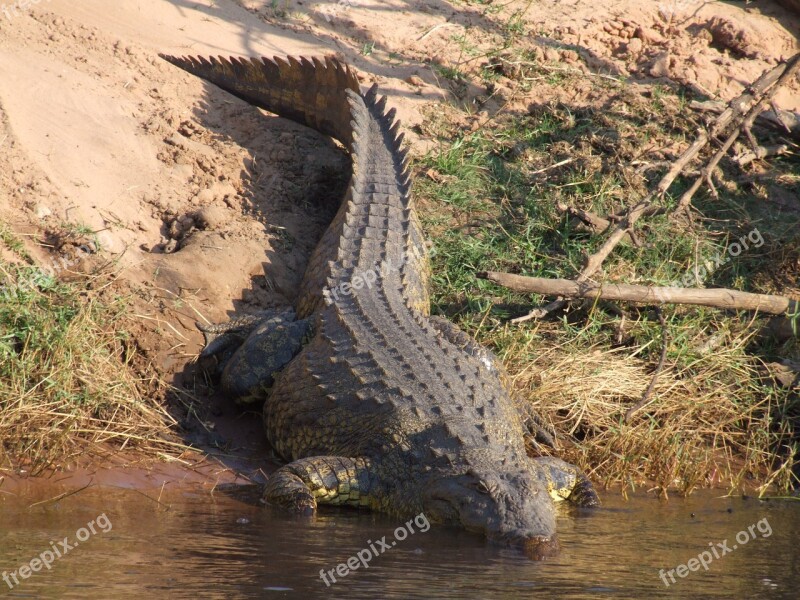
[66, 376]
[487, 205]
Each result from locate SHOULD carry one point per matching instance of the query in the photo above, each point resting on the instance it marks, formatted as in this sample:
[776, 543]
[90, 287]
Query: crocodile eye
[482, 487]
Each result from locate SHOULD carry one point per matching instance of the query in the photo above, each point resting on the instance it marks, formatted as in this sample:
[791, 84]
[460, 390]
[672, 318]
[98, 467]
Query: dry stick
[590, 221]
[657, 372]
[760, 152]
[626, 223]
[705, 173]
[790, 70]
[61, 496]
[716, 297]
[782, 120]
[594, 261]
[736, 109]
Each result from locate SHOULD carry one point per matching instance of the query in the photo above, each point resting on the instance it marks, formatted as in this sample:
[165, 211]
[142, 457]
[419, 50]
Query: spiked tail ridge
[381, 177]
[324, 94]
[308, 91]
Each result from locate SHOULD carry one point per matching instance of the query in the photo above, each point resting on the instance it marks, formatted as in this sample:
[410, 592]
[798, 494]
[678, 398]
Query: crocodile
[373, 402]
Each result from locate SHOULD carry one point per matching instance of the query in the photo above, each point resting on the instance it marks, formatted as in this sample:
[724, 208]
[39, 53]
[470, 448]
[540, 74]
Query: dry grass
[699, 428]
[66, 382]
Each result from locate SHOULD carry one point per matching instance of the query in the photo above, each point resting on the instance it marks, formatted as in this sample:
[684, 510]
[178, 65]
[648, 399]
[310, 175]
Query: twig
[560, 163]
[760, 152]
[716, 297]
[434, 28]
[782, 120]
[657, 372]
[61, 496]
[626, 222]
[705, 174]
[591, 222]
[167, 506]
[779, 115]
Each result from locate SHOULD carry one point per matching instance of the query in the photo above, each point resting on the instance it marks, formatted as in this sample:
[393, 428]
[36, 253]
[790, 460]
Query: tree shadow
[258, 24]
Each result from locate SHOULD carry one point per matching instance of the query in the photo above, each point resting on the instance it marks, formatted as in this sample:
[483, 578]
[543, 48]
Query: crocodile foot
[565, 481]
[250, 350]
[304, 483]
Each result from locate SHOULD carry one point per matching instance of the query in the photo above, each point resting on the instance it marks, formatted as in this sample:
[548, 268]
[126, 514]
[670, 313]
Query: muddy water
[195, 545]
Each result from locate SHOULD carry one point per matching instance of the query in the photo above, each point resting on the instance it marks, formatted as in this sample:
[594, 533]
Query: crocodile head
[508, 506]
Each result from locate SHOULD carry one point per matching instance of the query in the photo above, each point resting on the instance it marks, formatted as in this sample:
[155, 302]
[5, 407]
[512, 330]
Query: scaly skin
[385, 407]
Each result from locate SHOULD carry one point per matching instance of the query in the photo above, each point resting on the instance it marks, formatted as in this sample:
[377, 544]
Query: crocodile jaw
[507, 505]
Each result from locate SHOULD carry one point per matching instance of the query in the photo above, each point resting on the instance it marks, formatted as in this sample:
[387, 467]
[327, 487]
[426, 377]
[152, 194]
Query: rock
[211, 217]
[730, 35]
[42, 211]
[781, 329]
[648, 36]
[414, 80]
[785, 373]
[660, 66]
[551, 55]
[537, 54]
[500, 92]
[569, 56]
[634, 46]
[204, 196]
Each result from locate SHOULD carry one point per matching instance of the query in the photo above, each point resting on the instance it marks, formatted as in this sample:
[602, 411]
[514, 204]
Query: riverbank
[139, 201]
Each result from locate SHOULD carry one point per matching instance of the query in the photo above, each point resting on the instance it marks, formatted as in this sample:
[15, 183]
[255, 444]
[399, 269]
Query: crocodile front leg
[303, 484]
[565, 481]
[252, 349]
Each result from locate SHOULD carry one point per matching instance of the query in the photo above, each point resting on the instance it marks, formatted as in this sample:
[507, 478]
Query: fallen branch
[781, 120]
[742, 110]
[760, 152]
[716, 297]
[584, 220]
[784, 72]
[589, 222]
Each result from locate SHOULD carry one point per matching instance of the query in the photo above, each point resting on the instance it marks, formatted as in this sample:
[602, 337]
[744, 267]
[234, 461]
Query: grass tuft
[66, 381]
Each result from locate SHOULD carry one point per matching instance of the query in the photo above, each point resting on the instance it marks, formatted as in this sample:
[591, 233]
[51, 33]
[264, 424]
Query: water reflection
[194, 545]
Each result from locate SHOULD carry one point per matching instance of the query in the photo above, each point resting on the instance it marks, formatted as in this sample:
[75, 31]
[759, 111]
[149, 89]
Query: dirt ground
[207, 207]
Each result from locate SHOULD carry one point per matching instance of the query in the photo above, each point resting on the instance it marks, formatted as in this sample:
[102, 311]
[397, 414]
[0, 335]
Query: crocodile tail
[308, 91]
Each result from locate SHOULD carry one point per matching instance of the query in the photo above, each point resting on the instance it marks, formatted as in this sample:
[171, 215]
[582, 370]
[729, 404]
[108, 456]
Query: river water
[117, 543]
